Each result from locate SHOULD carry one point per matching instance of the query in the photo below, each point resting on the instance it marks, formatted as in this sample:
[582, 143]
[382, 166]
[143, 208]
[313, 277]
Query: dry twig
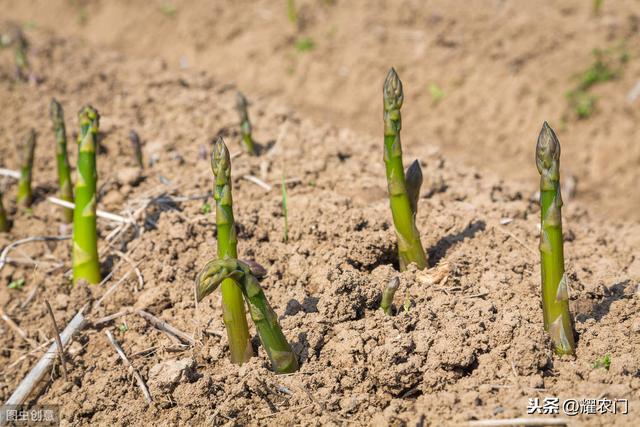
[136, 374]
[56, 332]
[16, 328]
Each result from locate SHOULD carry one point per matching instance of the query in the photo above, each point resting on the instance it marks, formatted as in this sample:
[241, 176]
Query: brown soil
[468, 347]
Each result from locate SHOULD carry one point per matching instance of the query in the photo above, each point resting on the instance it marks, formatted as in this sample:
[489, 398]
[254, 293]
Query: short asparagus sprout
[282, 357]
[25, 193]
[245, 124]
[404, 190]
[137, 148]
[388, 294]
[233, 312]
[4, 221]
[86, 265]
[62, 160]
[555, 295]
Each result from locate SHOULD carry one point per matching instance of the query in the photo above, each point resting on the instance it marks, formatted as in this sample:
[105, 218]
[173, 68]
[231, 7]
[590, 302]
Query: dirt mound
[469, 346]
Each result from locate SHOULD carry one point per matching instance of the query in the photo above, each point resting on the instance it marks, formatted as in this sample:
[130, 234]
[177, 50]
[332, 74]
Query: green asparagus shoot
[291, 11]
[137, 148]
[233, 312]
[86, 265]
[62, 161]
[387, 296]
[25, 193]
[403, 191]
[4, 221]
[245, 124]
[305, 44]
[22, 63]
[285, 211]
[555, 292]
[282, 357]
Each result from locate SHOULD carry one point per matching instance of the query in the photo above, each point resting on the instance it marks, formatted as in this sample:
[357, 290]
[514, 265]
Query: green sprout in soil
[436, 92]
[291, 11]
[597, 6]
[233, 312]
[607, 66]
[25, 193]
[386, 303]
[168, 9]
[17, 284]
[285, 211]
[4, 221]
[137, 148]
[86, 265]
[245, 124]
[123, 327]
[205, 208]
[305, 44]
[403, 189]
[603, 362]
[282, 357]
[555, 294]
[62, 161]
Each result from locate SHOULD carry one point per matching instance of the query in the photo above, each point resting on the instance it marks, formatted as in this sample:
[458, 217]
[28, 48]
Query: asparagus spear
[403, 199]
[233, 312]
[137, 149]
[282, 357]
[388, 294]
[4, 222]
[64, 171]
[22, 63]
[555, 297]
[245, 124]
[85, 235]
[25, 194]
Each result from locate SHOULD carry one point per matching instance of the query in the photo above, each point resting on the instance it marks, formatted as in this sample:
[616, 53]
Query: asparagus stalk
[64, 171]
[4, 222]
[245, 124]
[555, 296]
[25, 193]
[137, 149]
[22, 63]
[282, 357]
[85, 235]
[388, 294]
[233, 312]
[403, 199]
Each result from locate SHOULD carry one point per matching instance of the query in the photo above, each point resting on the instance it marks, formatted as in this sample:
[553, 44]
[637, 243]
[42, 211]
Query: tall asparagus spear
[245, 124]
[233, 312]
[25, 194]
[85, 235]
[282, 357]
[555, 296]
[22, 63]
[64, 171]
[402, 197]
[137, 149]
[4, 222]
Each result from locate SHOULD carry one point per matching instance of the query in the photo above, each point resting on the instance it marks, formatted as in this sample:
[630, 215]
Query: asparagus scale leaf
[402, 197]
[25, 193]
[555, 296]
[62, 160]
[233, 312]
[282, 357]
[245, 124]
[85, 260]
[4, 221]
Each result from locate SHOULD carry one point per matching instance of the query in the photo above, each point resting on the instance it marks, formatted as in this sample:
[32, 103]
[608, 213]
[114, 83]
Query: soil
[466, 341]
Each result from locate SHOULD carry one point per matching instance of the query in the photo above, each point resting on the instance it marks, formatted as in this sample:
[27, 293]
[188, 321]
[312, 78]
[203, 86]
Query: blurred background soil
[480, 76]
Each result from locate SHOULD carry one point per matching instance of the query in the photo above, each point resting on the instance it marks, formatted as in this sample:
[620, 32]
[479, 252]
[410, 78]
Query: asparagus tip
[220, 156]
[241, 101]
[413, 178]
[547, 148]
[392, 89]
